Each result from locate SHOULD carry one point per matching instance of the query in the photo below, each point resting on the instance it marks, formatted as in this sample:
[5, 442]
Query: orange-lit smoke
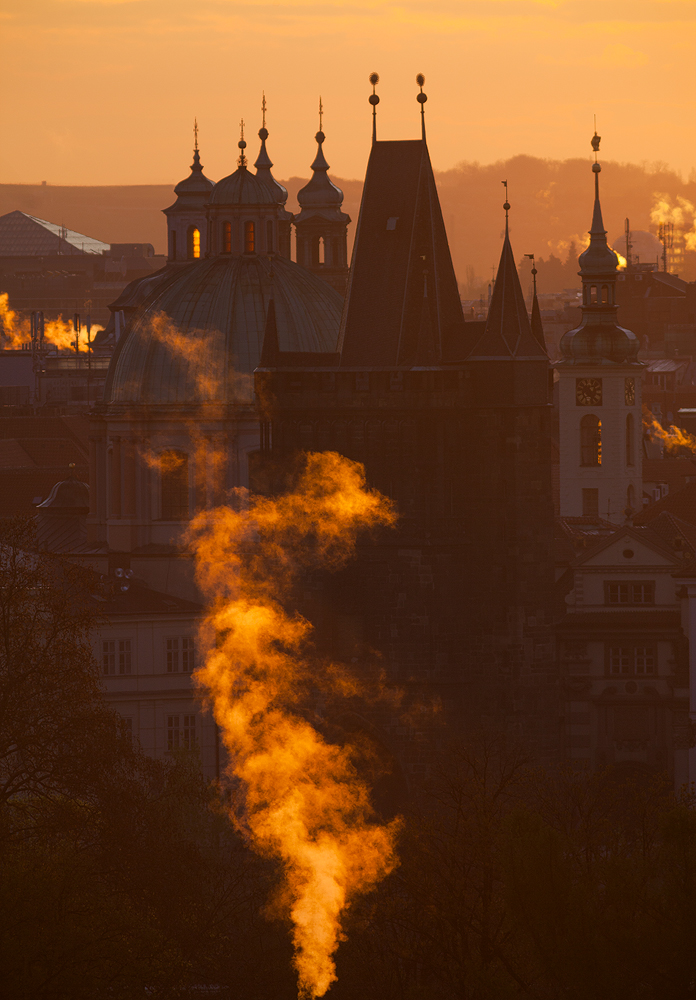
[304, 803]
[15, 329]
[681, 215]
[672, 438]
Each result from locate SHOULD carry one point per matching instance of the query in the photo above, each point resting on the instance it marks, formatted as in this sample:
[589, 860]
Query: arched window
[249, 237]
[174, 485]
[194, 243]
[630, 446]
[172, 255]
[605, 294]
[269, 236]
[590, 440]
[593, 295]
[322, 250]
[227, 237]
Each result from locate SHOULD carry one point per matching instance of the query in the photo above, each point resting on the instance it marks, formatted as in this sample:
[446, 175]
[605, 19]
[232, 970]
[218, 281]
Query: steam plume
[15, 329]
[672, 438]
[304, 802]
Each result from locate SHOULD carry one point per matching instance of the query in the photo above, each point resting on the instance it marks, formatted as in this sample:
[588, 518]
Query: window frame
[633, 651]
[631, 586]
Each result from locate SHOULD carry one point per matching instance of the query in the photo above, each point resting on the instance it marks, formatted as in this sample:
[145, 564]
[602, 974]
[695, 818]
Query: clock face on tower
[630, 392]
[588, 392]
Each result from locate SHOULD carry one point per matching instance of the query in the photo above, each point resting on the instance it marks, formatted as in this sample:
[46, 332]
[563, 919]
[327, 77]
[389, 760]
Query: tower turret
[321, 227]
[599, 392]
[245, 211]
[186, 225]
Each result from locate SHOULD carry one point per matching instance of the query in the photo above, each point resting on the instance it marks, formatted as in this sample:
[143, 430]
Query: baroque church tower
[600, 429]
[186, 220]
[321, 227]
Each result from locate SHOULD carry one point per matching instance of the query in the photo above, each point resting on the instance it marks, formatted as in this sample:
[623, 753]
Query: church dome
[220, 305]
[320, 196]
[242, 188]
[600, 342]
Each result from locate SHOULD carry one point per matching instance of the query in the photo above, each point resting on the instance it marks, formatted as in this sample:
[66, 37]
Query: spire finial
[263, 109]
[534, 271]
[321, 113]
[242, 145]
[195, 135]
[596, 167]
[421, 98]
[506, 206]
[374, 101]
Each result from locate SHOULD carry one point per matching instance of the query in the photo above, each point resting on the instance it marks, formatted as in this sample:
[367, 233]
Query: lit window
[249, 237]
[174, 482]
[227, 237]
[194, 243]
[116, 656]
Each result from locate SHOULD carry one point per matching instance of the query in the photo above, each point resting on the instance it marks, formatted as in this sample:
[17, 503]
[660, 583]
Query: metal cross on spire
[506, 206]
[195, 134]
[242, 145]
[263, 109]
[321, 113]
[534, 270]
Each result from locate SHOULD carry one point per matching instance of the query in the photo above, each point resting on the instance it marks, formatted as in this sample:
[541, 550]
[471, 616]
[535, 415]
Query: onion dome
[320, 196]
[599, 339]
[194, 190]
[71, 496]
[241, 187]
[220, 304]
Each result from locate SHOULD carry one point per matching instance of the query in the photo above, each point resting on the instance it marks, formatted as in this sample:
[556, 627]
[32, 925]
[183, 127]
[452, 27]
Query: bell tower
[600, 393]
[186, 223]
[321, 227]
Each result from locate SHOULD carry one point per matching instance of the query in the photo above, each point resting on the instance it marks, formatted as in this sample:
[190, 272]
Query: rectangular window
[180, 653]
[181, 736]
[629, 593]
[590, 503]
[632, 660]
[116, 656]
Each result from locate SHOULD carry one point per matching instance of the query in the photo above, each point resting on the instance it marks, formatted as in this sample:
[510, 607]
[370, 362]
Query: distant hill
[551, 207]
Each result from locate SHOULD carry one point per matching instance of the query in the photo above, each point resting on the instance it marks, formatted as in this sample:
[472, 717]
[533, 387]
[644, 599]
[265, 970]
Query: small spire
[597, 221]
[242, 145]
[263, 109]
[195, 135]
[374, 101]
[421, 98]
[506, 206]
[535, 319]
[321, 113]
[264, 163]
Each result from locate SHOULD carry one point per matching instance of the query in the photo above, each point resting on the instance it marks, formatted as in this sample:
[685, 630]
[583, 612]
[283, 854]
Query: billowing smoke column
[672, 438]
[15, 330]
[304, 803]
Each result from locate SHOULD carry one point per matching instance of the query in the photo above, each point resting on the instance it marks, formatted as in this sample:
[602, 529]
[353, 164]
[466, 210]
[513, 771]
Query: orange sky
[105, 91]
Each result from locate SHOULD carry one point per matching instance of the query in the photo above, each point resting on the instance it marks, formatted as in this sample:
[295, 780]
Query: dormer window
[227, 237]
[249, 237]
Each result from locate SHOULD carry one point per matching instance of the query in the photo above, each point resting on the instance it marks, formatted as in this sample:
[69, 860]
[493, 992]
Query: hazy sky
[105, 91]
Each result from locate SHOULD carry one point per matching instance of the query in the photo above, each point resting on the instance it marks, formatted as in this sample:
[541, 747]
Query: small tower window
[605, 294]
[174, 485]
[194, 243]
[630, 447]
[269, 236]
[227, 237]
[322, 250]
[249, 237]
[590, 440]
[593, 295]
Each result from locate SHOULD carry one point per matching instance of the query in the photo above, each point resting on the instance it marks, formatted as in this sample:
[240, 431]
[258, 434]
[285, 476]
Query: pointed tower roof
[508, 333]
[320, 196]
[536, 324]
[599, 339]
[264, 163]
[402, 305]
[194, 190]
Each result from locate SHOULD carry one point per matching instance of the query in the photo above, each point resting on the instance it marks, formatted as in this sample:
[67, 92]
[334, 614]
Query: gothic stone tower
[600, 393]
[452, 421]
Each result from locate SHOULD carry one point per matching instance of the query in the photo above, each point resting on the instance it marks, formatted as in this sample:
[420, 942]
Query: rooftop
[23, 235]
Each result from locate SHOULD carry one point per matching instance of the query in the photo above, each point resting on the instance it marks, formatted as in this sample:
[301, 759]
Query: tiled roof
[23, 235]
[141, 600]
[682, 504]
